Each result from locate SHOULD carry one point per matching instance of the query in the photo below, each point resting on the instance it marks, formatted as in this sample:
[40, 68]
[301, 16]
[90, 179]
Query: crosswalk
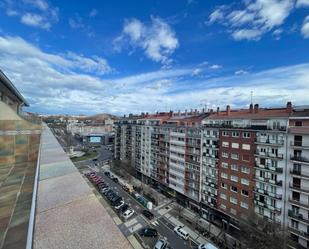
[155, 223]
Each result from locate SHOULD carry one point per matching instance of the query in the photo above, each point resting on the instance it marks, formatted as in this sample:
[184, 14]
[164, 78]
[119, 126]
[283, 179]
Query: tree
[257, 232]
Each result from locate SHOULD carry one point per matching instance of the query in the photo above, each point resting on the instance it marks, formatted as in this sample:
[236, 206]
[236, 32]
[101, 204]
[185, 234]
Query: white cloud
[305, 27]
[196, 71]
[241, 72]
[157, 40]
[93, 13]
[247, 34]
[255, 19]
[67, 83]
[34, 13]
[77, 22]
[215, 66]
[302, 3]
[40, 4]
[34, 20]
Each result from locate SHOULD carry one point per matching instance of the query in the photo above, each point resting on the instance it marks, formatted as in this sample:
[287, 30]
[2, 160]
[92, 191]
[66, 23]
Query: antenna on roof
[252, 97]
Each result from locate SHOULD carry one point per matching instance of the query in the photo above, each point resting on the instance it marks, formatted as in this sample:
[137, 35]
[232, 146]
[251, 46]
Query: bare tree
[260, 233]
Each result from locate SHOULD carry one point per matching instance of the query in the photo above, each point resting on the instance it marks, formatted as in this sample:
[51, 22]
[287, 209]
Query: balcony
[276, 142]
[267, 193]
[268, 180]
[269, 167]
[299, 144]
[299, 188]
[298, 173]
[300, 159]
[298, 216]
[278, 156]
[300, 233]
[298, 203]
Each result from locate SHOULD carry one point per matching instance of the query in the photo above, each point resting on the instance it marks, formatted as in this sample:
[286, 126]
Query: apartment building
[229, 162]
[298, 176]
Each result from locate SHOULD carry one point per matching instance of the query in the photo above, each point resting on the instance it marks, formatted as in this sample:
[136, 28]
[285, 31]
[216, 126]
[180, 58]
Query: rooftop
[69, 215]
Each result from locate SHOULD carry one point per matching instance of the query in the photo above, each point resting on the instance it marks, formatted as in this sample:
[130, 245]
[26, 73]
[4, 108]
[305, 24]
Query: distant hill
[101, 116]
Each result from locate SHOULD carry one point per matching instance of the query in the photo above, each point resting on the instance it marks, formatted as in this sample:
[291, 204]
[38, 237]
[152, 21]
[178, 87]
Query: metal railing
[31, 224]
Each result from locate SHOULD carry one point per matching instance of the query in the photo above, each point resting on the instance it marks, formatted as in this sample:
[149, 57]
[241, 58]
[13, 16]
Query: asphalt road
[126, 196]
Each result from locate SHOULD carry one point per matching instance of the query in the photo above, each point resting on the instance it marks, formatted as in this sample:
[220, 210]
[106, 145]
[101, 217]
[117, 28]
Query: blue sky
[132, 56]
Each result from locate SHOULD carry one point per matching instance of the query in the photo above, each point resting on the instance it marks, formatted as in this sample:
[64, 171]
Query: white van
[181, 232]
[207, 246]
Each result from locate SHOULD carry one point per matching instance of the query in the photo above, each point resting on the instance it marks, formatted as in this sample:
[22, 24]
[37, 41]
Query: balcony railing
[269, 167]
[268, 154]
[299, 188]
[298, 173]
[300, 159]
[297, 216]
[299, 232]
[299, 203]
[276, 142]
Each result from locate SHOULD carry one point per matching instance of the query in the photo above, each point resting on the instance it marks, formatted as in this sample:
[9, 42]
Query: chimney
[195, 111]
[228, 110]
[251, 108]
[218, 110]
[191, 112]
[289, 108]
[256, 108]
[203, 111]
[185, 112]
[124, 116]
[211, 111]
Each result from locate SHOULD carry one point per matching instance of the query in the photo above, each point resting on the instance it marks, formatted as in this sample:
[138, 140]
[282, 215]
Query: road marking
[155, 223]
[130, 222]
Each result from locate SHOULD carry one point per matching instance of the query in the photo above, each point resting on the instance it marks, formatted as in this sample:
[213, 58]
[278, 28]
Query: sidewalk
[192, 221]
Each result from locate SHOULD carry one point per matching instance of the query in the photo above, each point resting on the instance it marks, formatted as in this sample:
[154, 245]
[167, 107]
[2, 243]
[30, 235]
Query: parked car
[107, 173]
[149, 232]
[104, 190]
[181, 232]
[125, 188]
[119, 205]
[116, 199]
[148, 214]
[108, 192]
[161, 244]
[115, 179]
[95, 159]
[124, 208]
[207, 246]
[127, 214]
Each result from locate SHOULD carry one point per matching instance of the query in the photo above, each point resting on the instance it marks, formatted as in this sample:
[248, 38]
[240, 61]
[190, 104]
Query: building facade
[230, 162]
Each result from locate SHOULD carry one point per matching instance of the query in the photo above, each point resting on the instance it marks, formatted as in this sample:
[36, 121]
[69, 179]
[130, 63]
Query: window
[235, 134]
[246, 147]
[298, 123]
[234, 178]
[245, 170]
[223, 206]
[235, 145]
[244, 181]
[234, 156]
[223, 196]
[224, 175]
[244, 205]
[225, 165]
[246, 135]
[225, 133]
[223, 185]
[233, 189]
[233, 200]
[244, 192]
[225, 144]
[225, 154]
[233, 211]
[234, 167]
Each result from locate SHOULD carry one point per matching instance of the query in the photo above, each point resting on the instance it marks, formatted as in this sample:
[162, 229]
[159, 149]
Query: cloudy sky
[154, 55]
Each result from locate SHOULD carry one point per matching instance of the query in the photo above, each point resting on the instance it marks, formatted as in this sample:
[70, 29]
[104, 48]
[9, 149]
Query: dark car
[107, 173]
[115, 179]
[108, 192]
[124, 208]
[95, 159]
[148, 214]
[116, 200]
[149, 232]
